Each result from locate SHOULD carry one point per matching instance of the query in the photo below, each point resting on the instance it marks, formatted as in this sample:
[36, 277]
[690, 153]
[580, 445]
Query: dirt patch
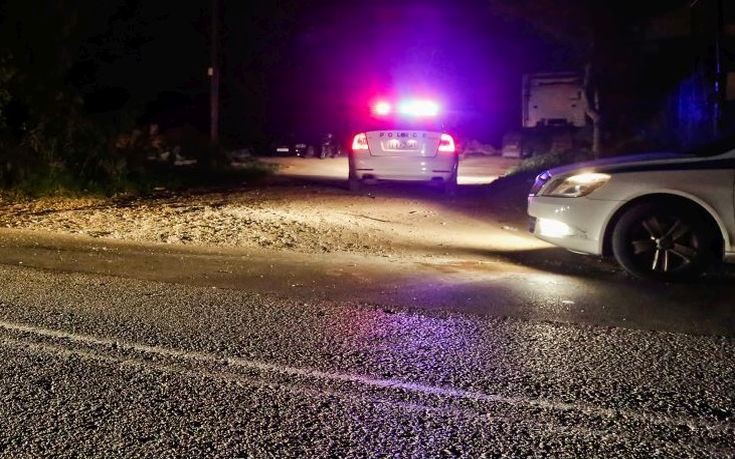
[311, 219]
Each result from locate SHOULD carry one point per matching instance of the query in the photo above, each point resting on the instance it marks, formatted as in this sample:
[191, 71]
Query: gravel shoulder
[312, 218]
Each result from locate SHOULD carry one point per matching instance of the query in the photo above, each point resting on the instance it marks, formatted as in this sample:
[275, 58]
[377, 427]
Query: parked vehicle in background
[553, 99]
[665, 216]
[325, 147]
[404, 140]
[476, 148]
[554, 116]
[282, 149]
[512, 145]
[300, 149]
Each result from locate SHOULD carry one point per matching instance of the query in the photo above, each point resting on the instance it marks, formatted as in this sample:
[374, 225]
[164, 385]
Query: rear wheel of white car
[450, 185]
[354, 184]
[665, 242]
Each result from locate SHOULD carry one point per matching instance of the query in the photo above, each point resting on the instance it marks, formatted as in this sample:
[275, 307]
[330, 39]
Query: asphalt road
[117, 349]
[544, 284]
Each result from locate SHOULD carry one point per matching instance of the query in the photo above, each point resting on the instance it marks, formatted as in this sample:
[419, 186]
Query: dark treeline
[81, 80]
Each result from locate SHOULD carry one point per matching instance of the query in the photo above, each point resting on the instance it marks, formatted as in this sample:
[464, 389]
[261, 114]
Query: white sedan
[664, 216]
[407, 143]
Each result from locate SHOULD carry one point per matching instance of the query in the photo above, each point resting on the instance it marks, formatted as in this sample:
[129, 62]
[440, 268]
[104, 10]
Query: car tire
[354, 184]
[450, 185]
[353, 181]
[667, 242]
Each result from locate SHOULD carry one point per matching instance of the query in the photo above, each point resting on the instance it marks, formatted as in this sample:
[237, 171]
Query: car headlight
[577, 185]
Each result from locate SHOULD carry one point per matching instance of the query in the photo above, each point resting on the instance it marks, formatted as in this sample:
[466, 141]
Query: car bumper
[405, 169]
[577, 224]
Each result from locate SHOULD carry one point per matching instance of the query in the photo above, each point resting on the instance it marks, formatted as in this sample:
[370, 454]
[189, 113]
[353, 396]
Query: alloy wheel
[665, 244]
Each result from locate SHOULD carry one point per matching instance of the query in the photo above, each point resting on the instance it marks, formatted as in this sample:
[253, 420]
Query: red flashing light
[382, 108]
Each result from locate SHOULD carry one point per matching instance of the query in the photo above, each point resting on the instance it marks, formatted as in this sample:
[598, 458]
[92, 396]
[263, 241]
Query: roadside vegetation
[539, 163]
[51, 144]
[77, 113]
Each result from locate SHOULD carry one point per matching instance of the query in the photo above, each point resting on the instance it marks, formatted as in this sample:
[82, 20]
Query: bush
[51, 144]
[74, 155]
[57, 149]
[540, 163]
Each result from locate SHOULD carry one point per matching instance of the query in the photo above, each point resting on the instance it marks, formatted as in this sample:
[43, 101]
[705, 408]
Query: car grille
[539, 183]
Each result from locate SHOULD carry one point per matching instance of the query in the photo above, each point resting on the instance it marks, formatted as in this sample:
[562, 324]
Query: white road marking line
[52, 349]
[394, 384]
[298, 390]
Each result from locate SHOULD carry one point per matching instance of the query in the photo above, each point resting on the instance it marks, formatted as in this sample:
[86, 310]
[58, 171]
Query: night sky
[341, 55]
[301, 68]
[297, 69]
[304, 67]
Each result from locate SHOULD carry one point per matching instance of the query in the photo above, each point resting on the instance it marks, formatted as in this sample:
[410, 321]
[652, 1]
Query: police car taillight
[446, 144]
[359, 143]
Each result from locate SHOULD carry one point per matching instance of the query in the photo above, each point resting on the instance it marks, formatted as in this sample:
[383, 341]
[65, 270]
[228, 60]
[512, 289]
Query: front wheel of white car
[664, 242]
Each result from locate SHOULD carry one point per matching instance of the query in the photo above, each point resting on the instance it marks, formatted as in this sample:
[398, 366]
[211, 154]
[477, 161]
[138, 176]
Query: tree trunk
[592, 104]
[596, 139]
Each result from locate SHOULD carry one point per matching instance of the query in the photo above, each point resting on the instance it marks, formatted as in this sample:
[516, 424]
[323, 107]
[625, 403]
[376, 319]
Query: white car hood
[611, 164]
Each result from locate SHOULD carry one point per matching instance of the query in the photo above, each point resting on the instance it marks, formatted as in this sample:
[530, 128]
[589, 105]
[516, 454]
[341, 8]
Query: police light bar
[419, 108]
[413, 108]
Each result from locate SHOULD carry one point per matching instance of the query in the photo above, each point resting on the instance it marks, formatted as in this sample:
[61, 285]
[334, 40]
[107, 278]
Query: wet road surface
[544, 284]
[120, 350]
[100, 366]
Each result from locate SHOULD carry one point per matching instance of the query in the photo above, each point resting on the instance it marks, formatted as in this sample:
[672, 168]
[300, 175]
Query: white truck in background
[553, 99]
[554, 110]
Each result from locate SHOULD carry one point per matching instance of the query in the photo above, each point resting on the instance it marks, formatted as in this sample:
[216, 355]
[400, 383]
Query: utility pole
[719, 74]
[716, 11]
[214, 75]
